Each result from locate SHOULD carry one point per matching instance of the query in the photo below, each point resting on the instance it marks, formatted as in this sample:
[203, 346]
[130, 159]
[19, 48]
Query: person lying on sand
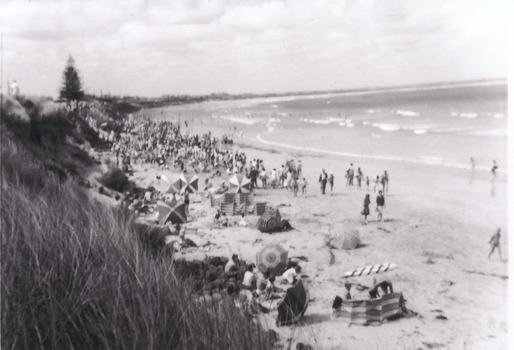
[385, 285]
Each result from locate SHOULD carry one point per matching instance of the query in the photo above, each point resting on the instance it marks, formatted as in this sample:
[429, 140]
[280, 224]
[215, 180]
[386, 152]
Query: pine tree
[71, 89]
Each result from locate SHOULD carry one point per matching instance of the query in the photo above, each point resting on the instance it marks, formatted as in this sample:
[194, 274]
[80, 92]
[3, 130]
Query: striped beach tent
[227, 208]
[365, 312]
[243, 198]
[260, 208]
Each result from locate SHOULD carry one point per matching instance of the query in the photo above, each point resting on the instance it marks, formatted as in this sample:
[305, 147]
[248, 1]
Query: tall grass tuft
[76, 276]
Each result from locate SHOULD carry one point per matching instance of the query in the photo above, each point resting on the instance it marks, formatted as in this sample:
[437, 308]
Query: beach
[438, 218]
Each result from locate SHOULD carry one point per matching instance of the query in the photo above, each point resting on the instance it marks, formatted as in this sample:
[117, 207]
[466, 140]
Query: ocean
[440, 125]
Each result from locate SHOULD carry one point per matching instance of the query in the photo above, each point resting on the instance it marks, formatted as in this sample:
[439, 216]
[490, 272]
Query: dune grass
[76, 276]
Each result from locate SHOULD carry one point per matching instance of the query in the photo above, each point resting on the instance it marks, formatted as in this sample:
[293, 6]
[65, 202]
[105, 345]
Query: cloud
[182, 46]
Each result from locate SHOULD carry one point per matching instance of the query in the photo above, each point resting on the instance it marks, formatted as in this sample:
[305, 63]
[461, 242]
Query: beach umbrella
[351, 240]
[188, 183]
[173, 211]
[239, 184]
[272, 258]
[270, 221]
[174, 187]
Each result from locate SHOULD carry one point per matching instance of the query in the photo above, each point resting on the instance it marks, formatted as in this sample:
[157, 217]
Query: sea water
[441, 125]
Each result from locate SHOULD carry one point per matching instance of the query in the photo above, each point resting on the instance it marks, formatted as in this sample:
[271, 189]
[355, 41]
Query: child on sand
[495, 243]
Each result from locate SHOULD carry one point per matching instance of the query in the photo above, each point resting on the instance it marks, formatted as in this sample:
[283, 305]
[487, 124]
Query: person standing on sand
[350, 173]
[331, 182]
[359, 177]
[495, 243]
[294, 184]
[304, 187]
[365, 210]
[377, 180]
[186, 202]
[472, 164]
[299, 169]
[323, 177]
[367, 183]
[380, 205]
[385, 182]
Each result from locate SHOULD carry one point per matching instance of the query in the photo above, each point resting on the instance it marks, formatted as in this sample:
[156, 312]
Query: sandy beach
[436, 228]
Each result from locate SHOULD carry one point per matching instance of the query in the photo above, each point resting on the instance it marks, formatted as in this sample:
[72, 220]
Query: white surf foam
[468, 115]
[419, 160]
[407, 113]
[386, 126]
[420, 131]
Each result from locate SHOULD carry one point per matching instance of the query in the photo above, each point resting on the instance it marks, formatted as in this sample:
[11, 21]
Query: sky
[153, 48]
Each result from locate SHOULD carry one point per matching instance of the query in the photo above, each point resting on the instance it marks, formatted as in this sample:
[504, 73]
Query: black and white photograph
[237, 175]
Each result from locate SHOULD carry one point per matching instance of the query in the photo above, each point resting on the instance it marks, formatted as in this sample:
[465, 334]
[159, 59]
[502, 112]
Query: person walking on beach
[385, 182]
[331, 182]
[294, 184]
[472, 164]
[495, 243]
[380, 205]
[367, 183]
[323, 177]
[365, 210]
[350, 172]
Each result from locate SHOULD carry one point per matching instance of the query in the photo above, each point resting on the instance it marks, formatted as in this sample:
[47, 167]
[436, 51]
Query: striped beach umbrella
[174, 187]
[351, 240]
[239, 184]
[173, 211]
[188, 183]
[272, 258]
[270, 221]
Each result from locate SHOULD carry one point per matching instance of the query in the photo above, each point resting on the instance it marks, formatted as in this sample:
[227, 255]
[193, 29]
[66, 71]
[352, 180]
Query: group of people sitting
[263, 284]
[221, 220]
[384, 285]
